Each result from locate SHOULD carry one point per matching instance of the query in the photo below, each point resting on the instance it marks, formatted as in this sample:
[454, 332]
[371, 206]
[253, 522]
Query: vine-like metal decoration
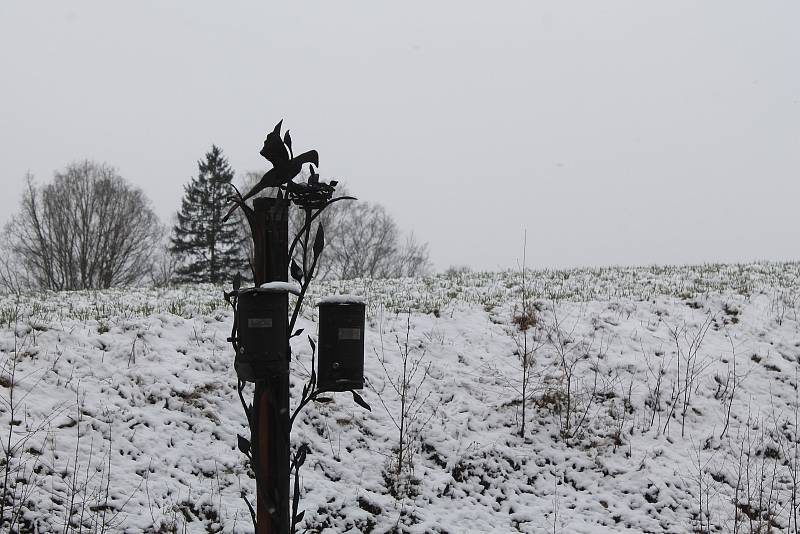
[312, 197]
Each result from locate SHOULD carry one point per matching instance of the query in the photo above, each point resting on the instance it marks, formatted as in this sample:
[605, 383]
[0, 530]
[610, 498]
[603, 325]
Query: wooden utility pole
[271, 400]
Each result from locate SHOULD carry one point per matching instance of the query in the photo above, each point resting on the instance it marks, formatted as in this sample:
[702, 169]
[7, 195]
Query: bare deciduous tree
[11, 280]
[88, 229]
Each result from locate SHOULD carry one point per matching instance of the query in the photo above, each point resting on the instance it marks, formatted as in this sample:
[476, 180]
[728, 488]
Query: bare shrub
[164, 266]
[573, 392]
[728, 385]
[788, 434]
[688, 341]
[455, 271]
[656, 371]
[85, 481]
[20, 443]
[525, 319]
[406, 387]
[528, 339]
[783, 303]
[757, 475]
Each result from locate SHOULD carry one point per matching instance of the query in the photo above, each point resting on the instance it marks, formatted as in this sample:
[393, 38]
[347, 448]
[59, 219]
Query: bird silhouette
[284, 165]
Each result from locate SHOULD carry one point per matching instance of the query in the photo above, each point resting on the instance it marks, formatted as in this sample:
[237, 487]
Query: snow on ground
[661, 399]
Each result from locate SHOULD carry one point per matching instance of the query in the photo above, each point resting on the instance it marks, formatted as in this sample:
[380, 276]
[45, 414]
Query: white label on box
[350, 334]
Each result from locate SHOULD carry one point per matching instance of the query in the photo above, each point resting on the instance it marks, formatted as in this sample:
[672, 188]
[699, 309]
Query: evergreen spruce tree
[208, 249]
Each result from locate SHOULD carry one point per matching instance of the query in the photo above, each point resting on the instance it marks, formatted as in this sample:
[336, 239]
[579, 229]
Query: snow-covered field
[661, 399]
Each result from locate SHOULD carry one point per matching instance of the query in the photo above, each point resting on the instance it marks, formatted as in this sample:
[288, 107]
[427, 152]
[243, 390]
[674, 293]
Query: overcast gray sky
[616, 132]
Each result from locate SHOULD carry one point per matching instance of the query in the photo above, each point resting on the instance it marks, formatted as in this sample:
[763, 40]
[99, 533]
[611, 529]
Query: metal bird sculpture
[314, 194]
[285, 166]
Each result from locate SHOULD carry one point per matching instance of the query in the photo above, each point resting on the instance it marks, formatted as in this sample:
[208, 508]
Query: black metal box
[340, 357]
[261, 334]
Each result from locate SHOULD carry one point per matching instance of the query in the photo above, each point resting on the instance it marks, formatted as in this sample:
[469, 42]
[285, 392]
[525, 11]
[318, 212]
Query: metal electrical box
[261, 333]
[340, 357]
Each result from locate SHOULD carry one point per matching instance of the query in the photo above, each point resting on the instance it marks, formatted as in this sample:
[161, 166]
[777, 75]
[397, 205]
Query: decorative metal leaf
[244, 444]
[301, 455]
[297, 272]
[239, 203]
[313, 380]
[333, 183]
[319, 241]
[360, 401]
[299, 517]
[297, 332]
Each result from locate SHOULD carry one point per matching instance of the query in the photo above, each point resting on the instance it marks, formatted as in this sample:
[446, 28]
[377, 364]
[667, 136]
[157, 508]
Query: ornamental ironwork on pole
[263, 329]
